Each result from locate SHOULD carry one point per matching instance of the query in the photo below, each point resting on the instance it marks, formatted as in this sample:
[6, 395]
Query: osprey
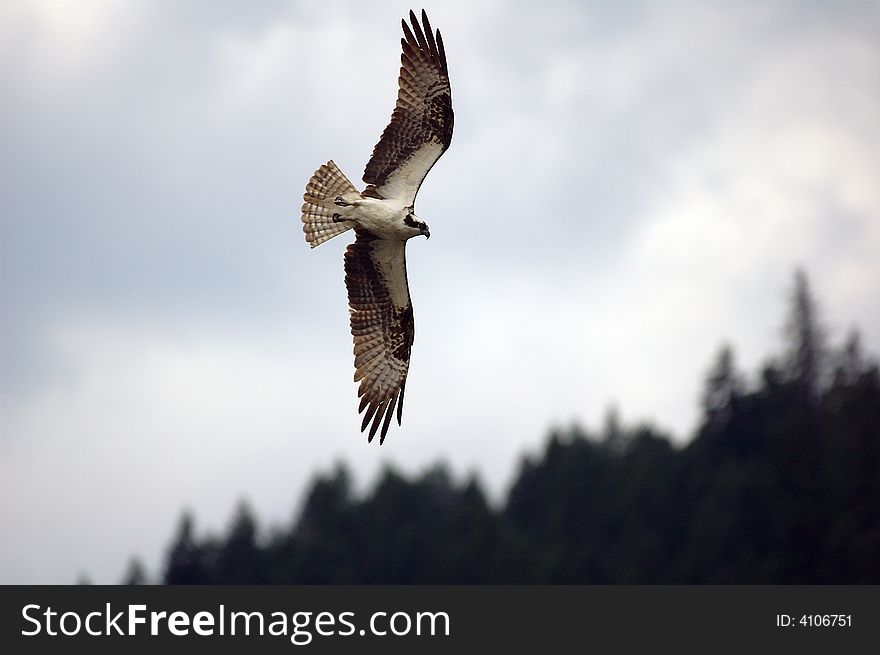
[383, 218]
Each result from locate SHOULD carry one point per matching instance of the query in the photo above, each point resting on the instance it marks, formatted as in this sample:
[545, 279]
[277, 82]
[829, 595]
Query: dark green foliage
[238, 556]
[780, 484]
[188, 560]
[441, 533]
[805, 360]
[136, 574]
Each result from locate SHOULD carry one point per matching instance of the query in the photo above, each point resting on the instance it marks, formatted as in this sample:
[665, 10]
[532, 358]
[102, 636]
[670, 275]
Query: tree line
[779, 485]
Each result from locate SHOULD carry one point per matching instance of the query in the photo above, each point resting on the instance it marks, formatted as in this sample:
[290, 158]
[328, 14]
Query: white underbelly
[382, 217]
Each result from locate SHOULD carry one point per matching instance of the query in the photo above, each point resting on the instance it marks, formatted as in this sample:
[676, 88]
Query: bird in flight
[383, 219]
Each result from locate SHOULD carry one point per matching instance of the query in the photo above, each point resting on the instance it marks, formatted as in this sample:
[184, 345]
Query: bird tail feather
[318, 208]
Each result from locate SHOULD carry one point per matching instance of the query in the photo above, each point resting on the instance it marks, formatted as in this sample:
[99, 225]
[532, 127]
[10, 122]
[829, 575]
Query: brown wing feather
[381, 324]
[421, 124]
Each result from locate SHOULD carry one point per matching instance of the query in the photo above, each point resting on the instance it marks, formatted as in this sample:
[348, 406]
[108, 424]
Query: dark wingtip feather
[389, 412]
[400, 403]
[377, 420]
[441, 51]
[408, 33]
[429, 34]
[372, 410]
[417, 30]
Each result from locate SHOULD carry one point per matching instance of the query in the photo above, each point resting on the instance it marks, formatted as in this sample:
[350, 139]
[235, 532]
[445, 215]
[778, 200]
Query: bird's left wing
[381, 325]
[421, 124]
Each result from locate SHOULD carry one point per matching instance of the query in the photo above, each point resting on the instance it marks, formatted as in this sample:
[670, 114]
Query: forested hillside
[780, 484]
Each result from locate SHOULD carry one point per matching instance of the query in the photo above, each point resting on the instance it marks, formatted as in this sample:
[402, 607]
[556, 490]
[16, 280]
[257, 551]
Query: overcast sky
[629, 186]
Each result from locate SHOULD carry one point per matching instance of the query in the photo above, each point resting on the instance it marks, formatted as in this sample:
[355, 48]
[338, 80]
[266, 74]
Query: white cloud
[784, 179]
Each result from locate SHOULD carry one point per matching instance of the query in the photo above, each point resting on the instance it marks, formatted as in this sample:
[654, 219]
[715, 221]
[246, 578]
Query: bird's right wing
[381, 325]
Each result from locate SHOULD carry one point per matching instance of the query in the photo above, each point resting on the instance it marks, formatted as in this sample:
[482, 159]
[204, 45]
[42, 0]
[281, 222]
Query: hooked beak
[426, 232]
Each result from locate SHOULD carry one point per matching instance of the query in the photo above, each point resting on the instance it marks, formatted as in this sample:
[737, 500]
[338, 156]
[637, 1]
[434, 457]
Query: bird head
[415, 222]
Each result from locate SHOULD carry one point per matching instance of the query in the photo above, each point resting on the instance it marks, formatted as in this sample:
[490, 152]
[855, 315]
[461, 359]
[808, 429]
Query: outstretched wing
[421, 124]
[381, 324]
